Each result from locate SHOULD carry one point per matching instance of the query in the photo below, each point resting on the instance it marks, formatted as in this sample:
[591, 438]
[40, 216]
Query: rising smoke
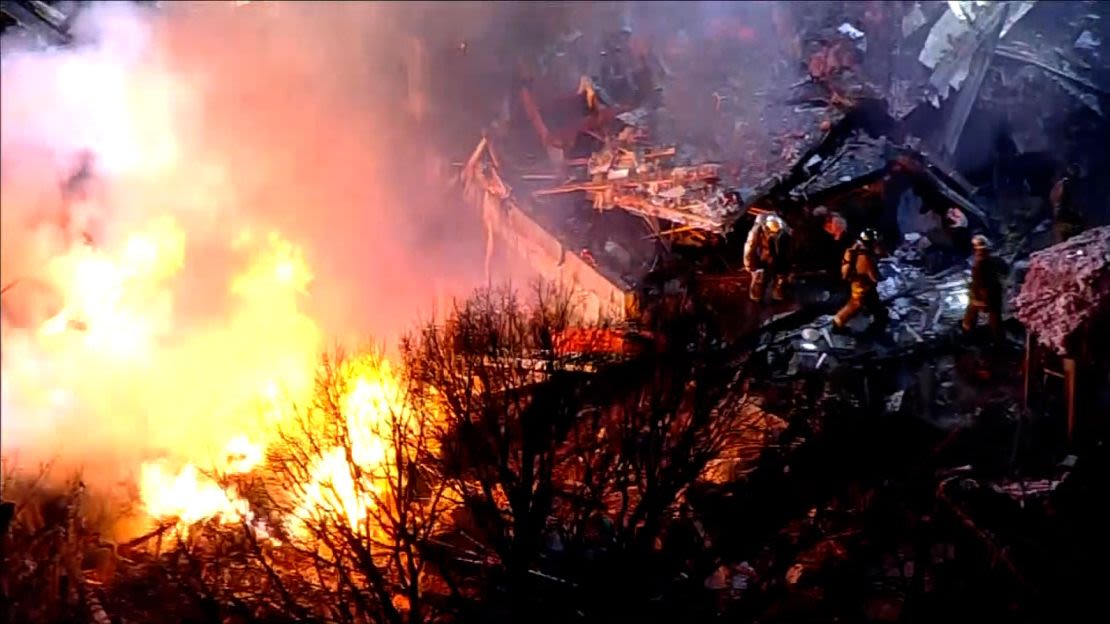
[196, 201]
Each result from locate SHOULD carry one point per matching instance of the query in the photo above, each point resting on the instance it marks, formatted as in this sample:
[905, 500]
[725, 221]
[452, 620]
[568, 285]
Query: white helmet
[773, 223]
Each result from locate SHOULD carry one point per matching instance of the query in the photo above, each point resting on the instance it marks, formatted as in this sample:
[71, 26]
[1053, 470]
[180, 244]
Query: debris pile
[922, 307]
[858, 160]
[1066, 286]
[637, 180]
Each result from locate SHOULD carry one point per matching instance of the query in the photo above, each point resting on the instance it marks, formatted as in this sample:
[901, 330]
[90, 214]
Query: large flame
[352, 478]
[369, 409]
[116, 300]
[159, 328]
[188, 496]
[115, 309]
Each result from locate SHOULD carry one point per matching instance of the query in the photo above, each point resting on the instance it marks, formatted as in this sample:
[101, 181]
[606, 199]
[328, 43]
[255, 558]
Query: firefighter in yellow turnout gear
[985, 290]
[860, 268]
[765, 256]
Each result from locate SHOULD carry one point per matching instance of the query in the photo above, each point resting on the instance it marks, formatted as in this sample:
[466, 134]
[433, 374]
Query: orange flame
[188, 496]
[350, 489]
[175, 347]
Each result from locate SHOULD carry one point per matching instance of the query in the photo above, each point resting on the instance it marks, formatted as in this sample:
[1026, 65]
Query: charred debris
[936, 467]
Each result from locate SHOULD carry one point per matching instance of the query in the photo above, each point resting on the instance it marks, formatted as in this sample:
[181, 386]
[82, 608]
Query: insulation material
[1067, 285]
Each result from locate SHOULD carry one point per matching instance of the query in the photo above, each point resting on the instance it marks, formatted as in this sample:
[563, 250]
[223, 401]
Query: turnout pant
[864, 298]
[760, 277]
[993, 310]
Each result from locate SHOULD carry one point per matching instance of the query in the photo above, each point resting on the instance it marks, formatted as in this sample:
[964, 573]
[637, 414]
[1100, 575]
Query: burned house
[856, 476]
[610, 197]
[873, 112]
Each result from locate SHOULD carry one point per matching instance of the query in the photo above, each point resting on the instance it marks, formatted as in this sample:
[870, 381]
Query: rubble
[857, 161]
[554, 253]
[948, 50]
[1019, 491]
[1067, 286]
[683, 188]
[913, 20]
[933, 58]
[978, 63]
[964, 31]
[636, 181]
[787, 149]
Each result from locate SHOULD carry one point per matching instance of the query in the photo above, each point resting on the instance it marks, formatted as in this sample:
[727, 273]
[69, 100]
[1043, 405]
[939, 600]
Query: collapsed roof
[781, 126]
[1066, 289]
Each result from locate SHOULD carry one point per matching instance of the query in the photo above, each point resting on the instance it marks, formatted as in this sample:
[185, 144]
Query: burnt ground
[861, 514]
[910, 483]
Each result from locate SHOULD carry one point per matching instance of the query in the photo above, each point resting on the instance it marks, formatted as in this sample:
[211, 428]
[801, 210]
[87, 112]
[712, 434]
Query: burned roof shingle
[1067, 285]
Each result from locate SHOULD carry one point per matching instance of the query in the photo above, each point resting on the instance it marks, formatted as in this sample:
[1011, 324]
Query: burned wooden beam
[682, 215]
[534, 116]
[38, 21]
[969, 90]
[951, 195]
[1018, 53]
[945, 182]
[572, 188]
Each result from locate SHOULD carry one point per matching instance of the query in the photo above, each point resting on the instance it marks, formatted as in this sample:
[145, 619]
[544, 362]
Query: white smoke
[204, 129]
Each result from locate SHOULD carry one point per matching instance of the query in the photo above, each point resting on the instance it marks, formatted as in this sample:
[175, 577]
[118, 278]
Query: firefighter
[860, 268]
[1066, 220]
[985, 291]
[765, 256]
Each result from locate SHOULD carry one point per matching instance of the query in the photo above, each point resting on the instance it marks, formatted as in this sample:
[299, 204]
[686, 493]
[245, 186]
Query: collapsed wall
[508, 224]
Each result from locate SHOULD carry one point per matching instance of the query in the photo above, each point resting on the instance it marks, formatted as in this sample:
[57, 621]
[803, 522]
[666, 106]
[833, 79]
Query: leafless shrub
[344, 508]
[496, 459]
[51, 551]
[540, 452]
[508, 397]
[359, 485]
